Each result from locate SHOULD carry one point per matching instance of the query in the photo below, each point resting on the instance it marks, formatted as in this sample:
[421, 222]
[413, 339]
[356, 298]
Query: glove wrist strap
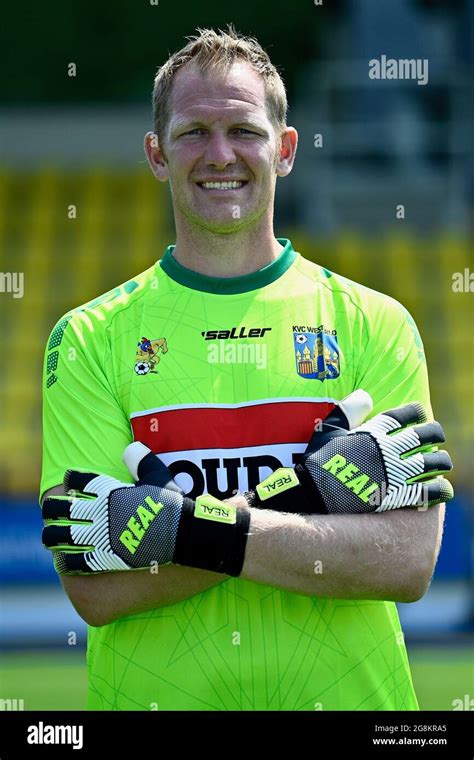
[286, 490]
[212, 535]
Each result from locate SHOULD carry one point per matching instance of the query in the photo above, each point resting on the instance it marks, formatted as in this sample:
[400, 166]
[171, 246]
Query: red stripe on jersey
[226, 428]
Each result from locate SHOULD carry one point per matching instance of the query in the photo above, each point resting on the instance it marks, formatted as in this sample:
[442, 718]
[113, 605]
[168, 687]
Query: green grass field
[52, 681]
[49, 681]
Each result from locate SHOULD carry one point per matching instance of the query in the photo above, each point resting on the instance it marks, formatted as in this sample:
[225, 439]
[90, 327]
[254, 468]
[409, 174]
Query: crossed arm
[387, 556]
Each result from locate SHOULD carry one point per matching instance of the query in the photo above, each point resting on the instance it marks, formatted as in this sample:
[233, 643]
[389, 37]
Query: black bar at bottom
[321, 734]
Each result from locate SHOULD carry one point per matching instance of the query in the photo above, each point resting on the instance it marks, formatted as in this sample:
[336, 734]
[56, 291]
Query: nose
[219, 152]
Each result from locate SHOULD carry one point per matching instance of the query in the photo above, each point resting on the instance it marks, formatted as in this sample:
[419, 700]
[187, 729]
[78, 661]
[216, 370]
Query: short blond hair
[216, 51]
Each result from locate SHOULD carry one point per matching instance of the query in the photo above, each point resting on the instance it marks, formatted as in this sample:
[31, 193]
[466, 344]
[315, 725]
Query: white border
[259, 402]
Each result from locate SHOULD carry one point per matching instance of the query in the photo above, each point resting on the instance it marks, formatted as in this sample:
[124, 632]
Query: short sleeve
[84, 425]
[392, 365]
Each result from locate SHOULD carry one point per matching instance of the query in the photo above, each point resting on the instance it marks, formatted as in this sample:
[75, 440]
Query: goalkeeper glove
[111, 525]
[376, 466]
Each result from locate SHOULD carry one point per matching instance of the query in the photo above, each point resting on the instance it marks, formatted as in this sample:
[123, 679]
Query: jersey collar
[229, 285]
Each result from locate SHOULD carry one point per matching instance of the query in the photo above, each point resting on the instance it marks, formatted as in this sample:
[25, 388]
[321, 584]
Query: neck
[226, 255]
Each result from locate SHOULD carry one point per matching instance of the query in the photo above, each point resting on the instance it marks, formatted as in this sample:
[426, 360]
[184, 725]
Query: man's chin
[220, 226]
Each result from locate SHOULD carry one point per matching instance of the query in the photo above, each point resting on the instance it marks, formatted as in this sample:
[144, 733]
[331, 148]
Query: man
[292, 614]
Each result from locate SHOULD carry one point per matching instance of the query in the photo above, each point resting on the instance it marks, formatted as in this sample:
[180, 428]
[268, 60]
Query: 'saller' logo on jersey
[316, 352]
[147, 355]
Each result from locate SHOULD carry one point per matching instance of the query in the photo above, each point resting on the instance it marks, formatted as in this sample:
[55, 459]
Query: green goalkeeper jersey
[223, 378]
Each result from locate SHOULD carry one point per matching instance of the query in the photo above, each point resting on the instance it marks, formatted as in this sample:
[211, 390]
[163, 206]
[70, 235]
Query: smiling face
[221, 151]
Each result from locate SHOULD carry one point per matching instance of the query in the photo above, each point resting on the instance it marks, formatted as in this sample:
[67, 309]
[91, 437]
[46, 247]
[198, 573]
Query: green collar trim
[229, 285]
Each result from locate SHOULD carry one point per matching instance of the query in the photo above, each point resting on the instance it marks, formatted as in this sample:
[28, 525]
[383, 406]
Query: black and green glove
[105, 525]
[383, 464]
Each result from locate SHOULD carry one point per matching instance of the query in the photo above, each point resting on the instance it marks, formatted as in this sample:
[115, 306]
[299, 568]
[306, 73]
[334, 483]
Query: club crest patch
[316, 352]
[147, 355]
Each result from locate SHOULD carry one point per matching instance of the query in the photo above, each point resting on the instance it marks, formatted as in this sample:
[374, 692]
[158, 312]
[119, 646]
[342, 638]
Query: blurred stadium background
[77, 141]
